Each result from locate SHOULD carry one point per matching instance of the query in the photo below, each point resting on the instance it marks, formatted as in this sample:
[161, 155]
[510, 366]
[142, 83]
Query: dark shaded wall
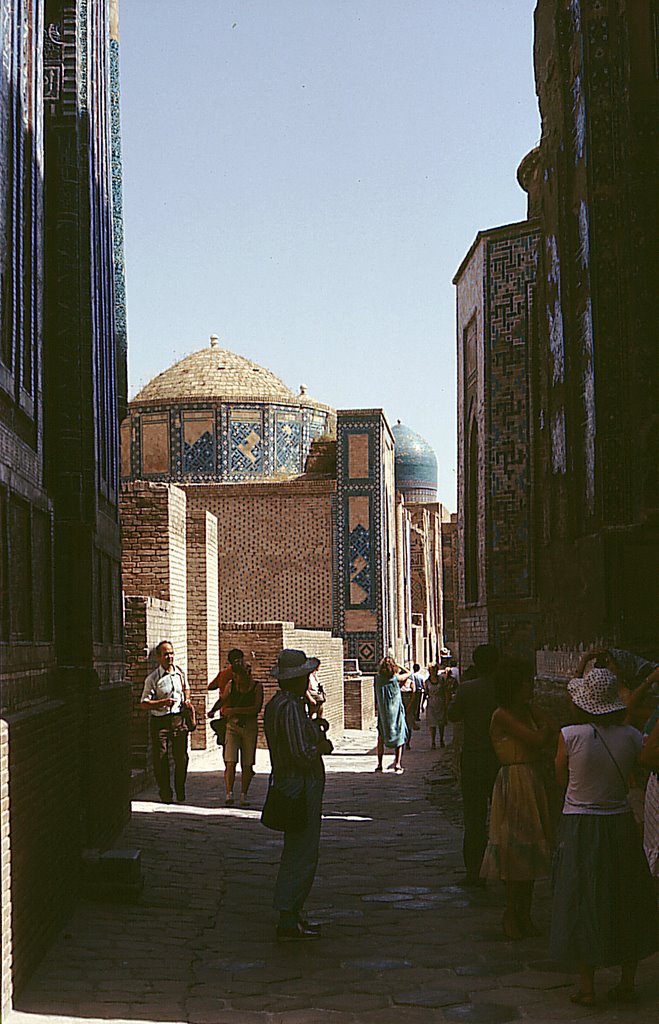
[64, 706]
[596, 350]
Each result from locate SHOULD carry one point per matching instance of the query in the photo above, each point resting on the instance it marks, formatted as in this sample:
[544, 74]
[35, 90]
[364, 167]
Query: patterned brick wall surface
[365, 603]
[596, 78]
[203, 619]
[262, 642]
[511, 271]
[145, 540]
[494, 288]
[5, 870]
[449, 581]
[359, 702]
[147, 622]
[275, 549]
[470, 289]
[44, 798]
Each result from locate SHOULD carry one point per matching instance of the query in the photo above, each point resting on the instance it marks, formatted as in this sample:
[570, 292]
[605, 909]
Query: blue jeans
[299, 858]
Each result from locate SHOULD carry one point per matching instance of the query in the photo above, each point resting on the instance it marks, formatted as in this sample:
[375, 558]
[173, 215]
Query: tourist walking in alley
[604, 906]
[474, 704]
[296, 743]
[519, 844]
[165, 694]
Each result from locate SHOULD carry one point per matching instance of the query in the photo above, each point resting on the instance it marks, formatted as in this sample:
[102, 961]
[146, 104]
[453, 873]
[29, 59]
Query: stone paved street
[402, 942]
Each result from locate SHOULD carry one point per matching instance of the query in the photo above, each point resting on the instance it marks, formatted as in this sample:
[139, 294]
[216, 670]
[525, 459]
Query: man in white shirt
[165, 692]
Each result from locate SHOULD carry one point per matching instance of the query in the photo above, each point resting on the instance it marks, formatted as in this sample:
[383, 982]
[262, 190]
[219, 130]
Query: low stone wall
[262, 642]
[358, 702]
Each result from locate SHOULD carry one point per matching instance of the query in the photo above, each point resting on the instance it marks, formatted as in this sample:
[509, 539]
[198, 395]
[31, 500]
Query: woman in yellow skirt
[519, 841]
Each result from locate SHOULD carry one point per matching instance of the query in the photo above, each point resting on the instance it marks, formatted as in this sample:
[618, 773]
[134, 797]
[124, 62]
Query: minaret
[120, 322]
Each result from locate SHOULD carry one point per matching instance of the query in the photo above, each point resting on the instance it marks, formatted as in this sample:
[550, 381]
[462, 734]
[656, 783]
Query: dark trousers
[478, 772]
[167, 733]
[299, 858]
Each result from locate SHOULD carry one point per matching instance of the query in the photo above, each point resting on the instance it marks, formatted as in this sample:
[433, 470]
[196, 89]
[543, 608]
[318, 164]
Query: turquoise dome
[416, 465]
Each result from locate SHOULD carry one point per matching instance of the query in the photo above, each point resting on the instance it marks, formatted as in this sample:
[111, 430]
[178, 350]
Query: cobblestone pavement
[402, 942]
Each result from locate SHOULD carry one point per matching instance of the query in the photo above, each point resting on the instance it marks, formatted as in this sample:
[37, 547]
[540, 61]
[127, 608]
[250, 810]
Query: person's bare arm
[560, 763]
[638, 695]
[536, 738]
[649, 755]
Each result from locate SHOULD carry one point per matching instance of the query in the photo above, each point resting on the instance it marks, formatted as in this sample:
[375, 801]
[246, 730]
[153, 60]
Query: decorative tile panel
[198, 444]
[288, 439]
[245, 444]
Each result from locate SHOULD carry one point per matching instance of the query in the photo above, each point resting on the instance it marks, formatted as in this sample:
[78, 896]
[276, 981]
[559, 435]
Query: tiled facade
[365, 528]
[62, 388]
[218, 417]
[495, 532]
[596, 354]
[449, 529]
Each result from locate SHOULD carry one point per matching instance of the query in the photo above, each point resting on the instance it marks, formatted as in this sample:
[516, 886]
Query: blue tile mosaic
[360, 563]
[245, 447]
[288, 437]
[200, 456]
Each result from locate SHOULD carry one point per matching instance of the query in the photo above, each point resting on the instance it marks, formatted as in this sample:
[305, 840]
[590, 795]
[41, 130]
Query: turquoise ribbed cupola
[416, 465]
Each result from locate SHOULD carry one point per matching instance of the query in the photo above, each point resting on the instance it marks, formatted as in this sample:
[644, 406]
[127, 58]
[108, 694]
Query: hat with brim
[597, 692]
[292, 664]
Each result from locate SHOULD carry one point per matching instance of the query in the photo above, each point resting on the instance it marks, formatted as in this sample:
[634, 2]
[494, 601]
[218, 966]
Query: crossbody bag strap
[597, 733]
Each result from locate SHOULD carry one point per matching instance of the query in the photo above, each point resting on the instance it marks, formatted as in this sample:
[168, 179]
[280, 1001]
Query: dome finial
[214, 340]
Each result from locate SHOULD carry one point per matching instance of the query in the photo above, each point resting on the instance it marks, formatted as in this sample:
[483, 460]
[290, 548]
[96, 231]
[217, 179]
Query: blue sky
[303, 178]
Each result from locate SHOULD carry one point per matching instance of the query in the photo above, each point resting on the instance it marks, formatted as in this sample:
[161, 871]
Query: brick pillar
[203, 612]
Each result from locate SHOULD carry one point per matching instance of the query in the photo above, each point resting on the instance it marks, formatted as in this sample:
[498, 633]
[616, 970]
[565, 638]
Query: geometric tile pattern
[362, 577]
[359, 562]
[200, 456]
[245, 446]
[288, 436]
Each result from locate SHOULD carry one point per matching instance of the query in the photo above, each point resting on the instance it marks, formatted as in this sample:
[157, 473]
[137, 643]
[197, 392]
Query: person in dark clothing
[473, 705]
[296, 744]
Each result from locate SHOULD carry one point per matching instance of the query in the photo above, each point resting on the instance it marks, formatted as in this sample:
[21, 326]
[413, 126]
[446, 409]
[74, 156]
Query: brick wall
[147, 622]
[275, 549]
[42, 789]
[359, 702]
[262, 642]
[5, 870]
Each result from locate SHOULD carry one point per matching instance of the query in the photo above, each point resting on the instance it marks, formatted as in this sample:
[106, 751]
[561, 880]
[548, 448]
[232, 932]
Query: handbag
[189, 717]
[219, 727]
[285, 811]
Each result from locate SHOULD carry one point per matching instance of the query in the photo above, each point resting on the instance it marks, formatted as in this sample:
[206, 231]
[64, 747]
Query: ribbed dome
[415, 465]
[215, 373]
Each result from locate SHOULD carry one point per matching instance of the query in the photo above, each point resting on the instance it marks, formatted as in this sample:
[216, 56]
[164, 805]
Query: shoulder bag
[285, 807]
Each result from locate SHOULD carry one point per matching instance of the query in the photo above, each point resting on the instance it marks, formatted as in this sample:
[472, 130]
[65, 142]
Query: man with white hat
[296, 744]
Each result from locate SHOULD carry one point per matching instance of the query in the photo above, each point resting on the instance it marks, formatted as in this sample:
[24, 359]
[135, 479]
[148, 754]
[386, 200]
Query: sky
[304, 177]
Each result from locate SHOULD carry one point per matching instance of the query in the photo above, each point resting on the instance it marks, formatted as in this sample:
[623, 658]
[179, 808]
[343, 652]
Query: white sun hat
[597, 692]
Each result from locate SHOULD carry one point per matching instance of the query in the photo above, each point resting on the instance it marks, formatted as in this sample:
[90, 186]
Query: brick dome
[214, 373]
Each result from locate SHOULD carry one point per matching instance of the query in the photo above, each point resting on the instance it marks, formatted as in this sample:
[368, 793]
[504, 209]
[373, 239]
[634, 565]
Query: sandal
[379, 768]
[398, 768]
[583, 998]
